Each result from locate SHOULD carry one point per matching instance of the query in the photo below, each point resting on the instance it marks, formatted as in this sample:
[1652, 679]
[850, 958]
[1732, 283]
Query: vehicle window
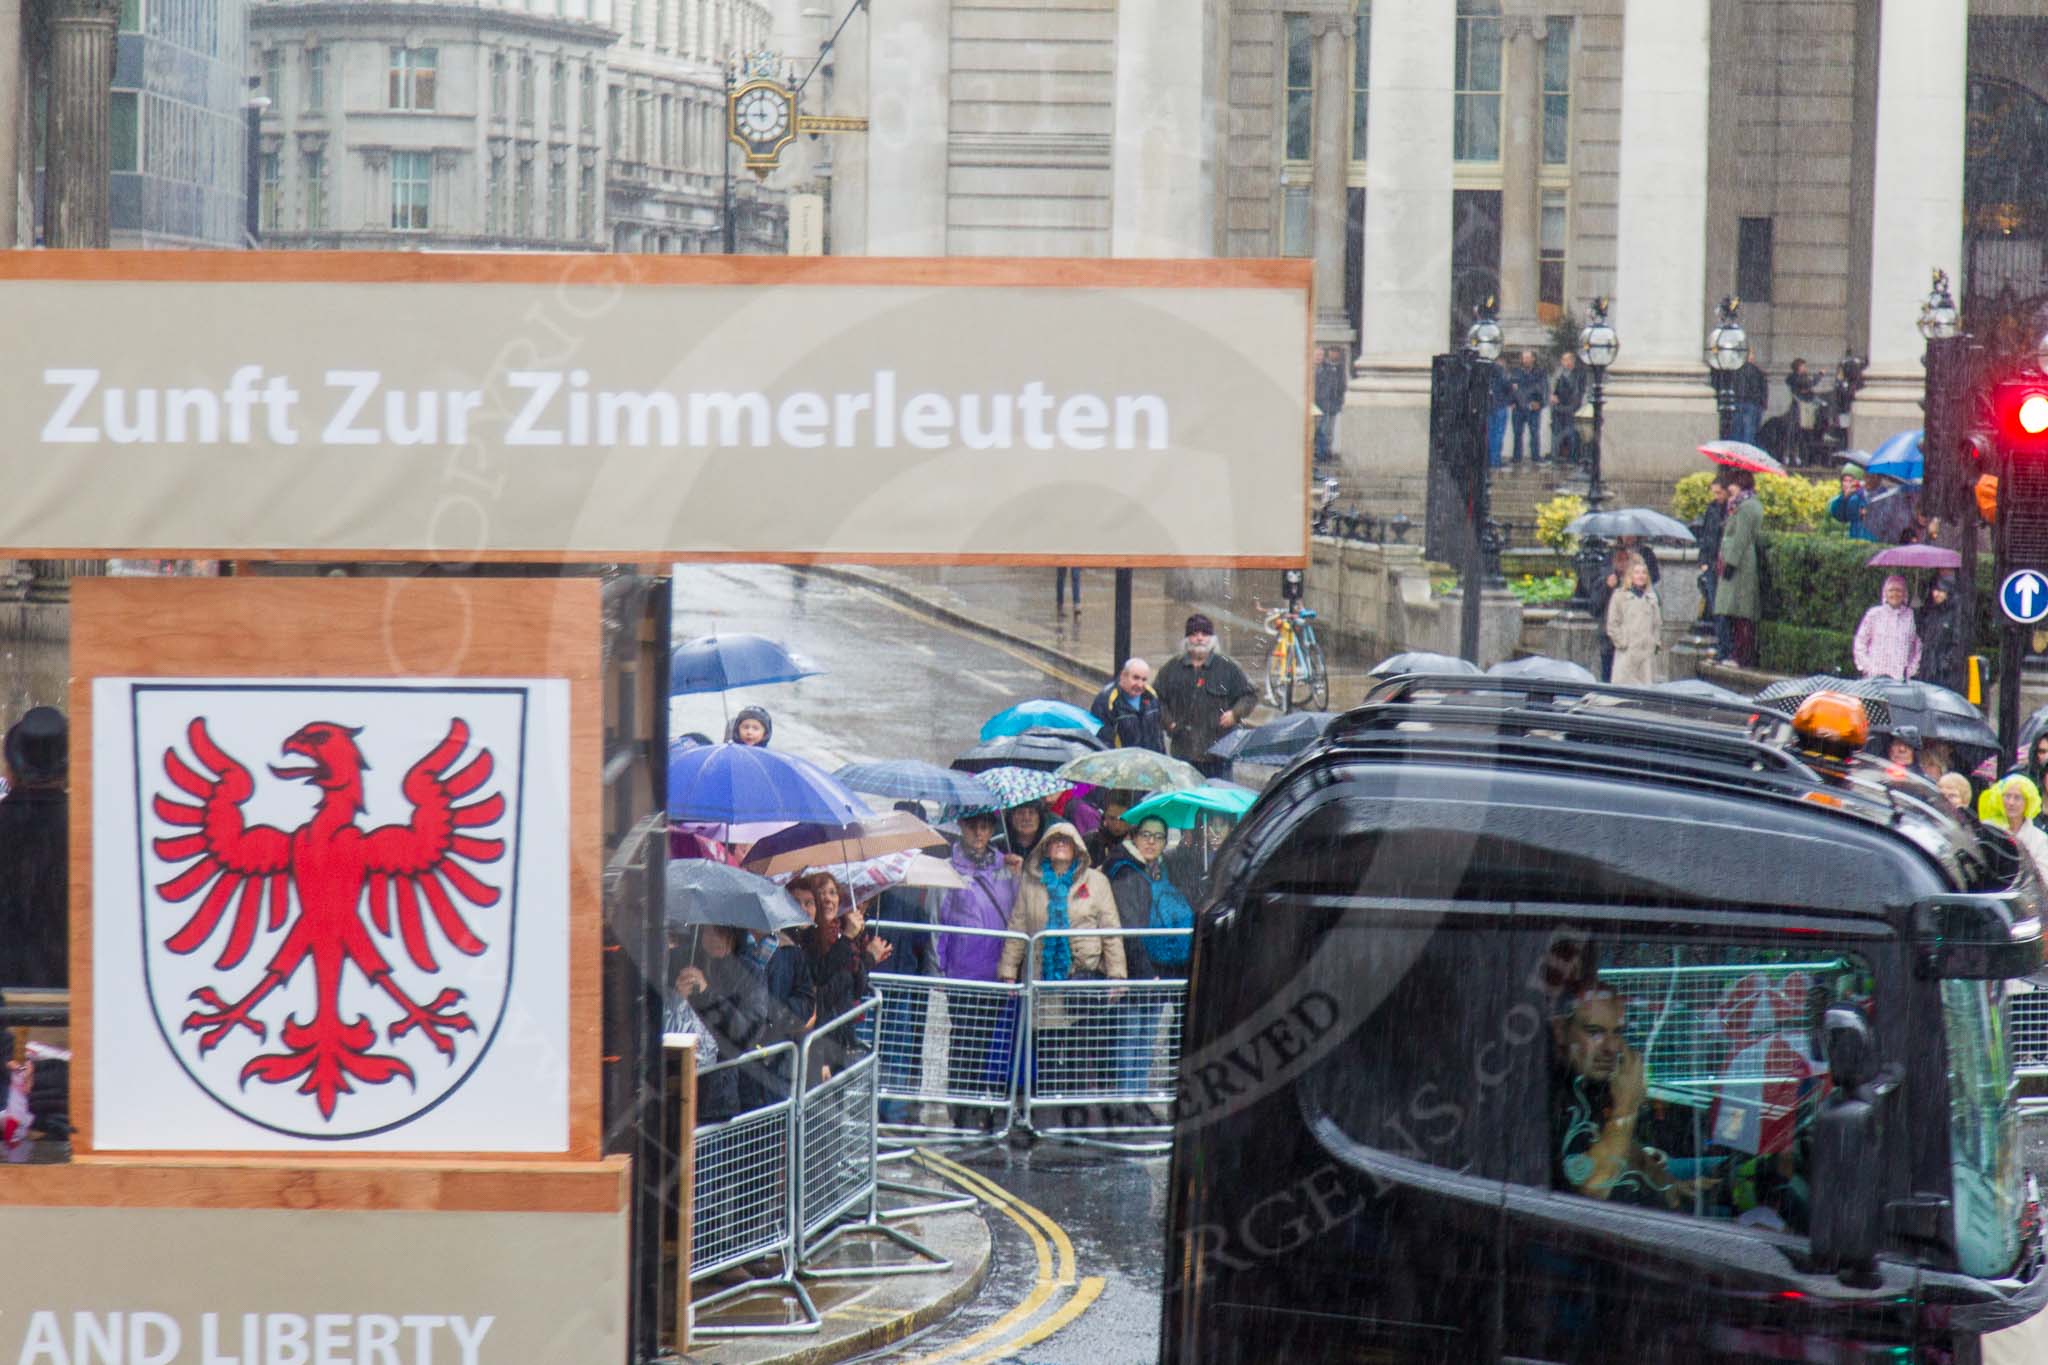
[1983, 1124]
[1683, 1076]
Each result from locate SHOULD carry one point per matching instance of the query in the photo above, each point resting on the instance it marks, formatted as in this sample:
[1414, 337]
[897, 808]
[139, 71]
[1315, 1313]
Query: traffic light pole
[2012, 639]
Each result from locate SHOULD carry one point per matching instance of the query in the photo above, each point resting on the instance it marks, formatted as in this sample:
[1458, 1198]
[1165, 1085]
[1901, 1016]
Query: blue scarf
[1056, 959]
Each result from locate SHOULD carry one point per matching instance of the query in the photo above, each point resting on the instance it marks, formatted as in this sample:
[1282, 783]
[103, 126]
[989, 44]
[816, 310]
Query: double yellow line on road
[1057, 1275]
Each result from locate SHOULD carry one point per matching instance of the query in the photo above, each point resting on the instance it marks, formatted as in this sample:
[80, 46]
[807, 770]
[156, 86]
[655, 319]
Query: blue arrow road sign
[2023, 597]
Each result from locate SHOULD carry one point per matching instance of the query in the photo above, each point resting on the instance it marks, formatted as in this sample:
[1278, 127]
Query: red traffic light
[2022, 410]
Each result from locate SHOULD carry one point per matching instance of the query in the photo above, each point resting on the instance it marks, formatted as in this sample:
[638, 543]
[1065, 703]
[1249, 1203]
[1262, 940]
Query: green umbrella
[1185, 809]
[1137, 770]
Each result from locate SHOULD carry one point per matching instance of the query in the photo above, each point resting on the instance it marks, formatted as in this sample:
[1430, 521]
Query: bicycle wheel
[1316, 675]
[1281, 675]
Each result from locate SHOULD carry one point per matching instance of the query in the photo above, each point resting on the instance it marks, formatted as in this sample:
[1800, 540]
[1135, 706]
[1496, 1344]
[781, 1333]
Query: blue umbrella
[1899, 458]
[718, 663]
[732, 784]
[1039, 714]
[907, 779]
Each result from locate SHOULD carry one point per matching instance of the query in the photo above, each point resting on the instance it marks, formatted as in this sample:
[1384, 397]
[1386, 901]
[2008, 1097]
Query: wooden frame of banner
[408, 267]
[358, 628]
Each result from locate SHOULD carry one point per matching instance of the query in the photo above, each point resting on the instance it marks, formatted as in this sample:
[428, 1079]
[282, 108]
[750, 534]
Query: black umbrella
[1941, 714]
[1788, 695]
[1277, 741]
[703, 892]
[1043, 748]
[1420, 661]
[1631, 521]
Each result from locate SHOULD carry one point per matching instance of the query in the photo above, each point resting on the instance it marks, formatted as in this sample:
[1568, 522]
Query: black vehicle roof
[1557, 791]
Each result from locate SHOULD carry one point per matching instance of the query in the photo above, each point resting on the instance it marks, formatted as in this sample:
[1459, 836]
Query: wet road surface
[900, 685]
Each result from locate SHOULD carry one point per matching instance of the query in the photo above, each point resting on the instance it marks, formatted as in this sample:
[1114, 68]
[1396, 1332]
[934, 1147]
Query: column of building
[1330, 168]
[908, 128]
[1521, 163]
[1406, 286]
[1917, 190]
[81, 73]
[1162, 163]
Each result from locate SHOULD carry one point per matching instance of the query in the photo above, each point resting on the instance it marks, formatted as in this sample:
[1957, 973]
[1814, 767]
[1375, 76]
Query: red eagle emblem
[345, 881]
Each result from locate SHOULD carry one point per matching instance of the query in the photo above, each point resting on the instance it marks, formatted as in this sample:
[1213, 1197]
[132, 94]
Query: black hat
[1199, 624]
[38, 746]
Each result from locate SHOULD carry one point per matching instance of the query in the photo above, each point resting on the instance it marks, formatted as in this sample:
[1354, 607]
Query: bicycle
[1294, 663]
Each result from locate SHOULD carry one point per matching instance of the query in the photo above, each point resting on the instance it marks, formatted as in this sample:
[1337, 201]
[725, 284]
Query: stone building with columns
[1818, 158]
[579, 125]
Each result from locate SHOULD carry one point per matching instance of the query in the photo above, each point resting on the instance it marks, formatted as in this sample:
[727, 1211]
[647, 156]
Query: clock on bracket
[761, 118]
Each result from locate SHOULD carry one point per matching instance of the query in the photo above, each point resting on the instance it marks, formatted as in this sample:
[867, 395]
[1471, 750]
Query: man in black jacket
[1566, 394]
[34, 869]
[1531, 392]
[1203, 696]
[1752, 395]
[1331, 381]
[1129, 710]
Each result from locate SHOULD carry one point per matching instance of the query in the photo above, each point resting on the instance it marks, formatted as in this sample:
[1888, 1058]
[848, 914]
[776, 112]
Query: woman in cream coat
[1060, 890]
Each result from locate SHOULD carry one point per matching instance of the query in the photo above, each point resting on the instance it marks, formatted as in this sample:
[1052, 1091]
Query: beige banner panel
[349, 406]
[181, 1286]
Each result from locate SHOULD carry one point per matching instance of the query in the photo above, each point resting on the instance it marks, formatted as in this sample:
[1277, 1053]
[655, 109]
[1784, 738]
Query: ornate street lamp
[1483, 337]
[1598, 346]
[1938, 317]
[1727, 349]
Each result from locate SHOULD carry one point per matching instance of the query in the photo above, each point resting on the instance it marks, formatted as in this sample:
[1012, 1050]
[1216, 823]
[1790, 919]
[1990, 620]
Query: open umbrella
[1702, 690]
[908, 779]
[718, 663]
[1422, 661]
[1631, 521]
[704, 892]
[1788, 694]
[872, 876]
[732, 784]
[1915, 556]
[840, 845]
[1542, 668]
[1185, 809]
[1742, 455]
[1899, 458]
[1041, 748]
[1136, 770]
[1280, 740]
[1039, 714]
[1020, 786]
[1940, 714]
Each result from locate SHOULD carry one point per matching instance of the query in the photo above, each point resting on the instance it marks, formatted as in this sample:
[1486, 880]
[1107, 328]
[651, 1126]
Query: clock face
[762, 115]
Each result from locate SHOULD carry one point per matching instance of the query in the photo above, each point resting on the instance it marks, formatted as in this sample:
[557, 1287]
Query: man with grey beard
[1203, 696]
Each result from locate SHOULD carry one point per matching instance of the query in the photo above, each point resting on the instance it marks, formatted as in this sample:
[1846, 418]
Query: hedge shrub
[1790, 504]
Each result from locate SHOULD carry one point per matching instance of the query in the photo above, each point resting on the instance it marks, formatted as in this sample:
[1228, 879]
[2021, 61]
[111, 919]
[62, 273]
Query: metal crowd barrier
[837, 1160]
[1102, 1052]
[743, 1199]
[949, 1048]
[2030, 1032]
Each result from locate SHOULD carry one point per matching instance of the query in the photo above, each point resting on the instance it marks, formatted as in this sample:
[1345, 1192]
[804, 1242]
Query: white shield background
[507, 1088]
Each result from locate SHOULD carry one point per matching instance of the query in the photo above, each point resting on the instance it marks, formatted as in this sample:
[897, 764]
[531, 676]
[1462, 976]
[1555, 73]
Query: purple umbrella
[1915, 557]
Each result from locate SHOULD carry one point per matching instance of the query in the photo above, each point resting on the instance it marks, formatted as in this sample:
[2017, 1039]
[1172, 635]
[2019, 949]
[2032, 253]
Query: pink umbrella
[1915, 557]
[1742, 455]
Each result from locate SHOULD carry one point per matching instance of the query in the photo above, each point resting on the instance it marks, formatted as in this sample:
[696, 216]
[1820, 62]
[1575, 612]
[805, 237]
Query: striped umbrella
[908, 779]
[1020, 786]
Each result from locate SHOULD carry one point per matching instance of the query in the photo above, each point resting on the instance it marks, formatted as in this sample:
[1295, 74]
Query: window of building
[1557, 91]
[1300, 88]
[525, 87]
[558, 202]
[614, 109]
[316, 79]
[273, 76]
[1551, 235]
[668, 118]
[273, 186]
[411, 182]
[412, 77]
[1475, 126]
[1712, 1044]
[131, 16]
[494, 195]
[124, 133]
[643, 115]
[1753, 259]
[586, 203]
[1361, 69]
[558, 95]
[522, 200]
[589, 124]
[498, 105]
[315, 165]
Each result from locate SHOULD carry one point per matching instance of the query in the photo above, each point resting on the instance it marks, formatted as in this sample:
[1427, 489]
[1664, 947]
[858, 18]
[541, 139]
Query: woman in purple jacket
[977, 1016]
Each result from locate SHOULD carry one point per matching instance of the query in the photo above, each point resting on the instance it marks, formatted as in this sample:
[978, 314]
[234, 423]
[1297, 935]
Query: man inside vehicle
[1599, 1105]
